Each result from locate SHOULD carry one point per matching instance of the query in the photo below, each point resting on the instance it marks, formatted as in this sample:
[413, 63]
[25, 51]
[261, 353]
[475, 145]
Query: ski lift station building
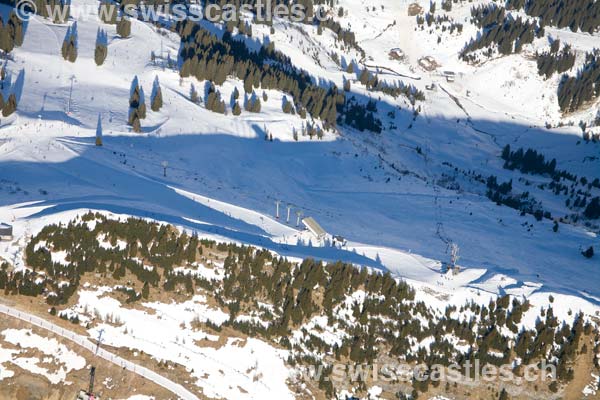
[314, 228]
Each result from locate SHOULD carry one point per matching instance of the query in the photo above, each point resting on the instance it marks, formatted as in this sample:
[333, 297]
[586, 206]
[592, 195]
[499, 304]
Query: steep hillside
[407, 130]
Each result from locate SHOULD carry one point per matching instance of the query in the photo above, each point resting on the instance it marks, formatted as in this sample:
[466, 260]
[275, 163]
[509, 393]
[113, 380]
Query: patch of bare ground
[583, 368]
[111, 380]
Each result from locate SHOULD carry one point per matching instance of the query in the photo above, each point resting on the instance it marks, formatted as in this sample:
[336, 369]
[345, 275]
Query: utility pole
[289, 209]
[277, 203]
[164, 164]
[87, 394]
[298, 216]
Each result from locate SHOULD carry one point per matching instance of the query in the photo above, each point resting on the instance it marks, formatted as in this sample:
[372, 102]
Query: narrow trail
[459, 105]
[379, 67]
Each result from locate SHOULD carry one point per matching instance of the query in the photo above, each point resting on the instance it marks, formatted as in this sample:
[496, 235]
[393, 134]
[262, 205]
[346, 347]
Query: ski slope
[223, 178]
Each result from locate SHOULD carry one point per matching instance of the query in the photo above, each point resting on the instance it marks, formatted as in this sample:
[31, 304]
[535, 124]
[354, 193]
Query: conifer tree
[347, 85]
[69, 46]
[214, 102]
[146, 291]
[156, 100]
[185, 70]
[135, 124]
[287, 108]
[124, 27]
[194, 98]
[99, 131]
[7, 43]
[237, 110]
[134, 93]
[101, 50]
[364, 77]
[137, 105]
[248, 84]
[10, 106]
[253, 104]
[15, 28]
[142, 106]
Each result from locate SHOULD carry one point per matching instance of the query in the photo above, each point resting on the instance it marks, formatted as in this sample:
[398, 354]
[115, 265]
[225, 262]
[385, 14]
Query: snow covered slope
[397, 197]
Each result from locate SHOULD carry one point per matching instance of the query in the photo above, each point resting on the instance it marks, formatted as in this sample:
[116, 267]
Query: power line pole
[277, 203]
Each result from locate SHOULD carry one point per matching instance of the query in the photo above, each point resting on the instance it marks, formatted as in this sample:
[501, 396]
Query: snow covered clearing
[240, 368]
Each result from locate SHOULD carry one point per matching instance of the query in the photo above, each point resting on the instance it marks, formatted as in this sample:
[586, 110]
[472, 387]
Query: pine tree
[347, 85]
[142, 106]
[287, 106]
[10, 106]
[364, 77]
[15, 25]
[214, 102]
[101, 50]
[185, 70]
[253, 104]
[146, 291]
[194, 98]
[248, 84]
[99, 131]
[156, 100]
[7, 43]
[302, 113]
[237, 110]
[124, 27]
[69, 46]
[135, 124]
[134, 93]
[72, 57]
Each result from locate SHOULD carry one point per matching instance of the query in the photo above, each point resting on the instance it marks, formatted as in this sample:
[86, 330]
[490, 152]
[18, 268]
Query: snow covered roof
[314, 227]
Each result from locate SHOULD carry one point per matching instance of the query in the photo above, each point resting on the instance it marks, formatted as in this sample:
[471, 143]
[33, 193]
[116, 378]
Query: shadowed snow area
[390, 201]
